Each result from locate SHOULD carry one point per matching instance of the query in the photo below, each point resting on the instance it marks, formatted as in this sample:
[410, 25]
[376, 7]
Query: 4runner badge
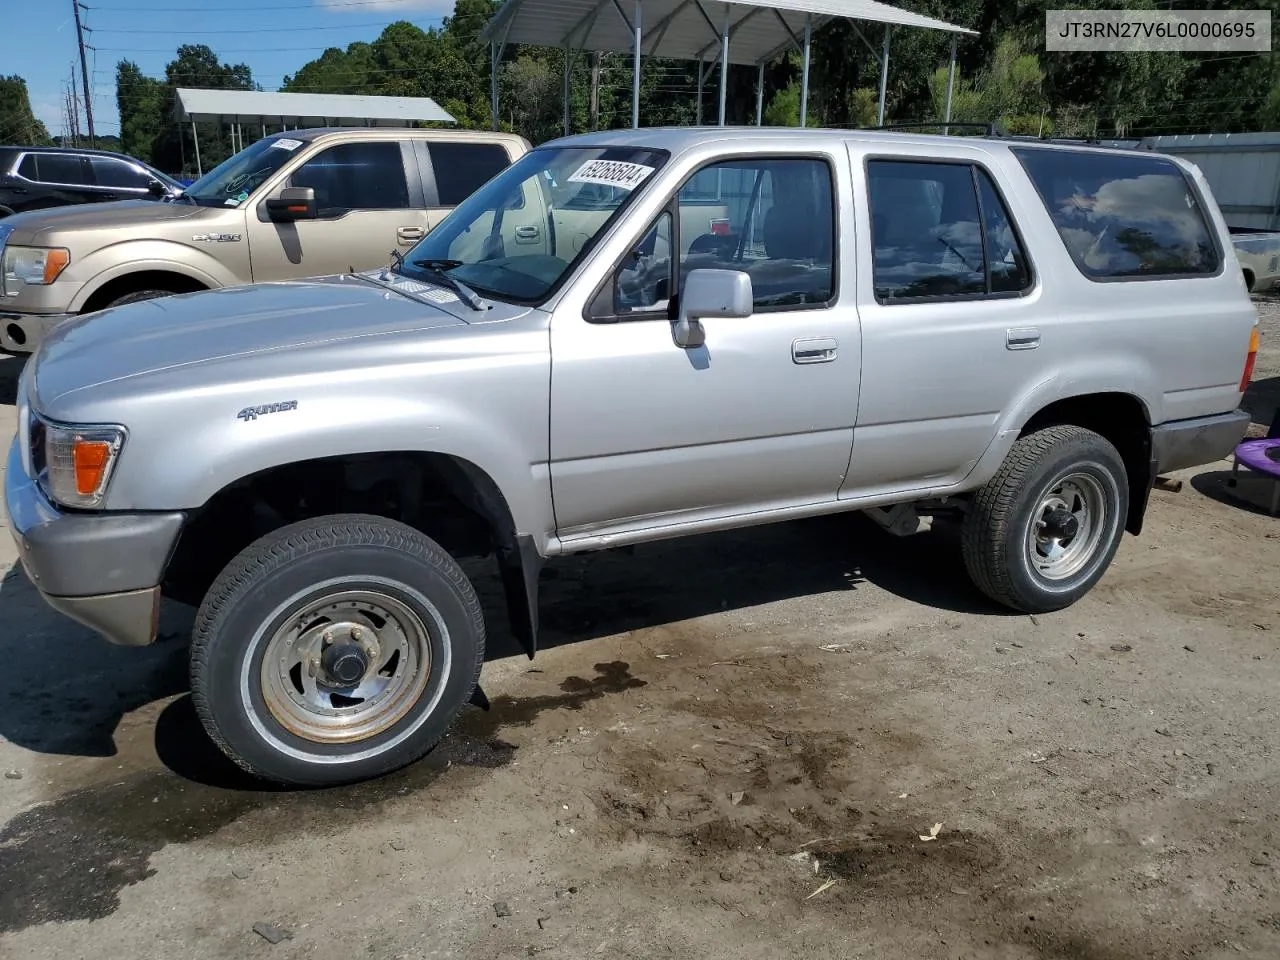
[216, 237]
[252, 413]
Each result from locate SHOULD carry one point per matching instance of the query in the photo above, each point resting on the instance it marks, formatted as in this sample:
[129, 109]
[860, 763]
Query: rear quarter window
[1121, 217]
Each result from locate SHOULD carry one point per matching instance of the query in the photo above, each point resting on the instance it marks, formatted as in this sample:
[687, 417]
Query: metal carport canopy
[237, 107]
[745, 32]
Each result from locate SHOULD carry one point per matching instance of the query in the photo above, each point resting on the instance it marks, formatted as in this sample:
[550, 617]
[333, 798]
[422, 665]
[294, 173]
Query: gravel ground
[734, 746]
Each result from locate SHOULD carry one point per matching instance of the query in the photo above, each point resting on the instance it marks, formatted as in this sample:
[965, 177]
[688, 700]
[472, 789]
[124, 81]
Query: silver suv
[295, 204]
[624, 337]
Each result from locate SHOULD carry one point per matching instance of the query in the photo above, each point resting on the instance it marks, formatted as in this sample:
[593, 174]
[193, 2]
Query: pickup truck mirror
[710, 293]
[294, 203]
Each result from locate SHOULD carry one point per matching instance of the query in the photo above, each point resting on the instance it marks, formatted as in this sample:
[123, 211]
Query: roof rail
[991, 129]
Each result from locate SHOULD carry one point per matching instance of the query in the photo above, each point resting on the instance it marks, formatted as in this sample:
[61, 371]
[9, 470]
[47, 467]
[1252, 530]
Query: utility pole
[84, 74]
[595, 90]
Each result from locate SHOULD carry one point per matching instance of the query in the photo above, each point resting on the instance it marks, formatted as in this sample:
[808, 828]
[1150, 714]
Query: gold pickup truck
[301, 203]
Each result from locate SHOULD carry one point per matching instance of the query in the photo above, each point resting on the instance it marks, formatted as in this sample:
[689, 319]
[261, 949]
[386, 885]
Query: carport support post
[951, 82]
[195, 136]
[635, 75]
[884, 76]
[698, 121]
[804, 75]
[724, 63]
[568, 66]
[760, 97]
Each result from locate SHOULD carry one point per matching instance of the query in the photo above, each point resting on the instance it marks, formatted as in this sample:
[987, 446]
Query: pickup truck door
[645, 433]
[370, 202]
[952, 318]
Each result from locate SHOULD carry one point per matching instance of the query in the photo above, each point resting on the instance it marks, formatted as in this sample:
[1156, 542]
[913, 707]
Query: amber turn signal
[90, 458]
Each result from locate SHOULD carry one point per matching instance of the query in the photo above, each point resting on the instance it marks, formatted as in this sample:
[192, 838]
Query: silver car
[624, 337]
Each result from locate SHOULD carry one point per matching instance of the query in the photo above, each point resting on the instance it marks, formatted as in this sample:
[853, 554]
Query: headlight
[38, 266]
[78, 461]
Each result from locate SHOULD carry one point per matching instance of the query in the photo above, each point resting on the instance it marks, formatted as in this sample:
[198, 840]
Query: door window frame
[599, 308]
[134, 167]
[974, 165]
[280, 179]
[36, 154]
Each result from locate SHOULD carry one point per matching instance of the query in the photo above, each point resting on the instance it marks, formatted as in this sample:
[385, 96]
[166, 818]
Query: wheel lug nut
[328, 637]
[313, 666]
[356, 633]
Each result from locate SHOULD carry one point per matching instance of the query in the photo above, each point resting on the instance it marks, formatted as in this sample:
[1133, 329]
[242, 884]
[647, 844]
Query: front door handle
[1021, 338]
[814, 350]
[526, 234]
[410, 234]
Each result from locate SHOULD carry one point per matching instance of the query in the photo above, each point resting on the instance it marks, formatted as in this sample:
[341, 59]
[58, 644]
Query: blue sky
[274, 37]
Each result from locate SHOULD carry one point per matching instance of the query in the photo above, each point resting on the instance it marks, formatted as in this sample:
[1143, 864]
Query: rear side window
[462, 168]
[64, 168]
[941, 231]
[1122, 217]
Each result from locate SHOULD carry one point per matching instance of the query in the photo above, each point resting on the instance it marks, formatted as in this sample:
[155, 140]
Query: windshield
[230, 182]
[521, 233]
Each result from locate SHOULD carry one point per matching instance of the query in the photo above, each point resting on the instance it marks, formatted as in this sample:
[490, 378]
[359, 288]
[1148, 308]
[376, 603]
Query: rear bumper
[22, 332]
[103, 570]
[1191, 443]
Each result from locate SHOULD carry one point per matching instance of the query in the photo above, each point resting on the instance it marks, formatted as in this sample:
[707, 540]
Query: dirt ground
[734, 746]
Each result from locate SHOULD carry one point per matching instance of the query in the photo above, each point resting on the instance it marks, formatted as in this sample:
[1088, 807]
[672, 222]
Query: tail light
[1249, 360]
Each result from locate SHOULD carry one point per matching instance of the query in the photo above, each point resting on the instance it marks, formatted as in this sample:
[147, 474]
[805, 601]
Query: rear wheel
[335, 650]
[1044, 529]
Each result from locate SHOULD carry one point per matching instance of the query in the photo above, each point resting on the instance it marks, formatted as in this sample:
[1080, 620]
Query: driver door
[647, 434]
[367, 204]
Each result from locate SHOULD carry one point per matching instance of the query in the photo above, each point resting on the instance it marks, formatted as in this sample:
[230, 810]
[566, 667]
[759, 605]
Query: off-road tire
[269, 582]
[996, 528]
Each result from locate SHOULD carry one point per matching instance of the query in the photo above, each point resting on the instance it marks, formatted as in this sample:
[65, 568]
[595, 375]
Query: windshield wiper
[438, 268]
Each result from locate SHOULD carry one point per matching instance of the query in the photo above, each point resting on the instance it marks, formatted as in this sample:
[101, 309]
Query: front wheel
[1044, 529]
[334, 650]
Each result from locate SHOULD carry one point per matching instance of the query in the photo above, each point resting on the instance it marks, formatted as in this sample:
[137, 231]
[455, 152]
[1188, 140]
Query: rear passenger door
[951, 311]
[369, 203]
[55, 179]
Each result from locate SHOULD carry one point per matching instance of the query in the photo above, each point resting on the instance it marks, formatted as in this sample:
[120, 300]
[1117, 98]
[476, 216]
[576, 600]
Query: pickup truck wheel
[335, 650]
[1044, 529]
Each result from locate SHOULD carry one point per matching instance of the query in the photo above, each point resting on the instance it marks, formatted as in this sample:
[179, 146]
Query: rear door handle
[814, 350]
[410, 234]
[1022, 338]
[526, 234]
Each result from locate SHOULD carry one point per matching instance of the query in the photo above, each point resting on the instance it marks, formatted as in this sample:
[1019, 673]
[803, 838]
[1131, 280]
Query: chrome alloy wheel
[346, 667]
[1067, 526]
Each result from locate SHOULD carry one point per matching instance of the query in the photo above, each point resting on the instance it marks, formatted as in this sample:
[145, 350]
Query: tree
[141, 102]
[18, 124]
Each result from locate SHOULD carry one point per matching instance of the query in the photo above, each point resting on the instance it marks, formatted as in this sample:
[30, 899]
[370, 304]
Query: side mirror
[156, 188]
[710, 293]
[294, 203]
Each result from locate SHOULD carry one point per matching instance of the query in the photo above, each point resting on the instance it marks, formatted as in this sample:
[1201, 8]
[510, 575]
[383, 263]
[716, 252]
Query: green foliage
[784, 109]
[18, 125]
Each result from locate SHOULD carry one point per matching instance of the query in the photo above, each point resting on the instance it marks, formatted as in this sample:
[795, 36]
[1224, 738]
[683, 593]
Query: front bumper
[102, 570]
[22, 332]
[1200, 440]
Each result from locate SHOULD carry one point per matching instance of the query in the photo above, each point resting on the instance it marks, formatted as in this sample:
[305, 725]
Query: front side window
[1123, 217]
[355, 176]
[462, 168]
[642, 284]
[110, 172]
[940, 230]
[774, 219]
[512, 240]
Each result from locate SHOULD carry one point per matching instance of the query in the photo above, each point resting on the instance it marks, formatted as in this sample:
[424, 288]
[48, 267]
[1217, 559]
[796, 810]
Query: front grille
[36, 446]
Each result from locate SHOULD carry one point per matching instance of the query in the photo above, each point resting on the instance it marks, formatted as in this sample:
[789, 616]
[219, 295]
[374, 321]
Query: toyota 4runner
[623, 337]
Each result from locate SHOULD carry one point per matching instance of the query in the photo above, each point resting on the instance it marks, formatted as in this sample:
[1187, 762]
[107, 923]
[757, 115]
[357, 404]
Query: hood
[31, 226]
[212, 325]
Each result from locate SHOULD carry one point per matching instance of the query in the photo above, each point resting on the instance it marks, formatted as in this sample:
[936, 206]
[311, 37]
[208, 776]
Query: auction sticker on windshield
[284, 143]
[612, 173]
